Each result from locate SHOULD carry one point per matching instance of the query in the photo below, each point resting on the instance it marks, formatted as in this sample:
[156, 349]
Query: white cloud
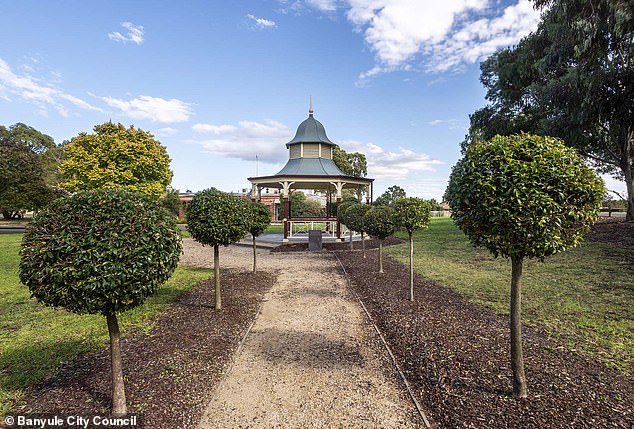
[37, 92]
[134, 34]
[323, 5]
[246, 140]
[166, 132]
[443, 35]
[452, 124]
[385, 164]
[262, 23]
[154, 109]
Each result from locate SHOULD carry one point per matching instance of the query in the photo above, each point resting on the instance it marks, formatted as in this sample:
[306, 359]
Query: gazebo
[310, 166]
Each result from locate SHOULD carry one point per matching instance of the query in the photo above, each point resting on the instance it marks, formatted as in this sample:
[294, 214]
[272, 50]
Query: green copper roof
[310, 131]
[310, 167]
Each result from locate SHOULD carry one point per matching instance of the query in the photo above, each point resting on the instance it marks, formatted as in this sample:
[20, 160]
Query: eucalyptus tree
[100, 252]
[216, 219]
[412, 214]
[572, 78]
[523, 196]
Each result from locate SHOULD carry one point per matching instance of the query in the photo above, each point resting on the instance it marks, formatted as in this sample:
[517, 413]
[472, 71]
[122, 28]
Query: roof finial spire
[310, 110]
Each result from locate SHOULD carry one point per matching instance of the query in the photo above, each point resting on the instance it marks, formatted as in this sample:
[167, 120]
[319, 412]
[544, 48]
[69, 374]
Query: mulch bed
[169, 373]
[456, 356]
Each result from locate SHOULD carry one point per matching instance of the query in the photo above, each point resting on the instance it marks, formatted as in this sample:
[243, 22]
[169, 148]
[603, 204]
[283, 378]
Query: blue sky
[219, 82]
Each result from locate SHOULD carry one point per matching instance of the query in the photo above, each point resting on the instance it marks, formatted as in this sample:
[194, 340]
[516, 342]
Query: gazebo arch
[310, 166]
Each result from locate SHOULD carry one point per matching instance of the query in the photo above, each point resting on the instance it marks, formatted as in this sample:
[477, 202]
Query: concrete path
[310, 360]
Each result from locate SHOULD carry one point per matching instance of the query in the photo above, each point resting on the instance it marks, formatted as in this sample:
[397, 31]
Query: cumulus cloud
[246, 139]
[154, 109]
[262, 23]
[441, 35]
[166, 132]
[385, 164]
[134, 34]
[41, 94]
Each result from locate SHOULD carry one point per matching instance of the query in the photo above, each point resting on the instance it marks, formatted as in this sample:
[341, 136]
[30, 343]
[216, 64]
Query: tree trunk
[517, 358]
[627, 166]
[217, 277]
[6, 215]
[363, 244]
[629, 183]
[411, 267]
[380, 255]
[118, 388]
[254, 255]
[350, 232]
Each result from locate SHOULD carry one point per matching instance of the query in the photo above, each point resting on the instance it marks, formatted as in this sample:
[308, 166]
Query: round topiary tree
[412, 214]
[523, 196]
[354, 216]
[100, 252]
[379, 223]
[341, 215]
[260, 218]
[216, 218]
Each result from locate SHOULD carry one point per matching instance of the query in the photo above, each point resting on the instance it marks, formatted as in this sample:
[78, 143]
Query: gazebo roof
[310, 131]
[310, 167]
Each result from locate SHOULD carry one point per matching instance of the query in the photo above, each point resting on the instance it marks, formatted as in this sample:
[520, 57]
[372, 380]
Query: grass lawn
[35, 340]
[584, 296]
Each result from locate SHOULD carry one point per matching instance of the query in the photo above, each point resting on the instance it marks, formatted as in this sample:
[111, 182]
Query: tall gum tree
[573, 78]
[523, 196]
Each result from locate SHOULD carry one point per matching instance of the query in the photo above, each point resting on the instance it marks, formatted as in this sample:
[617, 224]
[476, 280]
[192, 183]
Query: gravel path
[311, 358]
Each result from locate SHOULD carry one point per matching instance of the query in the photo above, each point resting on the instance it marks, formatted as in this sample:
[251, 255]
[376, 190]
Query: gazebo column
[285, 198]
[339, 188]
[254, 192]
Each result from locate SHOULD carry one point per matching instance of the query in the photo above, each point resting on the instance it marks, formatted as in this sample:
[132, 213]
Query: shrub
[379, 223]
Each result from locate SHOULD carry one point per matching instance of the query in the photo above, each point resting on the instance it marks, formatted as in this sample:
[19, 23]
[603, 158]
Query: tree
[260, 219]
[573, 78]
[22, 185]
[355, 216]
[412, 214]
[100, 252]
[171, 201]
[523, 196]
[379, 223]
[216, 218]
[116, 157]
[351, 164]
[301, 206]
[49, 154]
[342, 217]
[389, 197]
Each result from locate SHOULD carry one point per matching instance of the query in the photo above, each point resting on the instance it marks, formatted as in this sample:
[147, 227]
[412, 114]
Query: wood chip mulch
[170, 373]
[456, 356]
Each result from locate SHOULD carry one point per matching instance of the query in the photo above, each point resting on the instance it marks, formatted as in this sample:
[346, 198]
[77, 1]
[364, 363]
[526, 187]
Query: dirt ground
[311, 359]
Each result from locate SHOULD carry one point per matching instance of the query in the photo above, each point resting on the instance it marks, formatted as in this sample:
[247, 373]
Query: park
[308, 300]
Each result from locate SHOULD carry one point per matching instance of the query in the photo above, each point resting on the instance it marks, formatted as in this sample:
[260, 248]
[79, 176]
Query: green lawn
[35, 339]
[584, 296]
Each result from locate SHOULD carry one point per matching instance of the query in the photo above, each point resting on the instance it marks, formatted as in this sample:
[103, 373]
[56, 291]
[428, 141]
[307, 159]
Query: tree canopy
[573, 78]
[379, 223]
[100, 252]
[116, 157]
[216, 218]
[412, 214]
[389, 197]
[22, 185]
[523, 196]
[351, 164]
